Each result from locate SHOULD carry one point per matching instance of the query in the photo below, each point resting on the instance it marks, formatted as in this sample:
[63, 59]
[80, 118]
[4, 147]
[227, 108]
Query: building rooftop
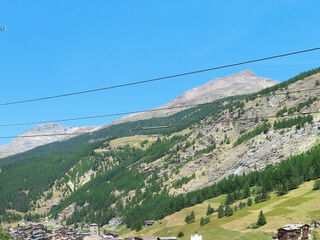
[292, 227]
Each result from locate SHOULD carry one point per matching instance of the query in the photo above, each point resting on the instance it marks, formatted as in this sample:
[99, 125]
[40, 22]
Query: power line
[156, 127]
[142, 111]
[158, 78]
[105, 115]
[97, 132]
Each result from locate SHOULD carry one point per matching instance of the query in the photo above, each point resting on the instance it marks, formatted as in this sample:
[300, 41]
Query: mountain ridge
[244, 82]
[240, 83]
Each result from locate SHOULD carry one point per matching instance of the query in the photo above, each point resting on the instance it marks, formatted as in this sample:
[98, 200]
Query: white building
[94, 230]
[196, 237]
[94, 233]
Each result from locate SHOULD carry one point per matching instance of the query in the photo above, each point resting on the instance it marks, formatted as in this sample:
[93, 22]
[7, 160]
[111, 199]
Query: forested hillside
[29, 174]
[186, 117]
[156, 203]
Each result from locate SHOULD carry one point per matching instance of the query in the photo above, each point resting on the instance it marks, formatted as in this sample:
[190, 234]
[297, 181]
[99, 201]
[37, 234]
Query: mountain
[237, 84]
[245, 82]
[22, 143]
[267, 142]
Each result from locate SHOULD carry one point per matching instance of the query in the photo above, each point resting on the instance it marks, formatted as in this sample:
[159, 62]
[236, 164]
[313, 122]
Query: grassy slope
[300, 205]
[133, 141]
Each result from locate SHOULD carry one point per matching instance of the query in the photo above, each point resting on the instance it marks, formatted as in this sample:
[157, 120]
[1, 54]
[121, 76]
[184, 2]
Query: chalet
[149, 223]
[294, 232]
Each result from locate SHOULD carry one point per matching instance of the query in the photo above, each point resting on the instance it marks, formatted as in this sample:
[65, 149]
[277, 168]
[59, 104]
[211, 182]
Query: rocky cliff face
[237, 84]
[23, 143]
[266, 148]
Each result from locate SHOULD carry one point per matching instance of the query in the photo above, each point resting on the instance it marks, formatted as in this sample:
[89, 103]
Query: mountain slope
[171, 168]
[23, 143]
[207, 152]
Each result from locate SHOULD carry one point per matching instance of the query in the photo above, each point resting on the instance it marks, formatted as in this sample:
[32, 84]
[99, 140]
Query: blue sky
[58, 46]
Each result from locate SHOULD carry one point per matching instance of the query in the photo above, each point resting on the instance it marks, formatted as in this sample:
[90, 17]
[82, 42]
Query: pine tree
[246, 191]
[204, 221]
[261, 220]
[192, 216]
[187, 219]
[283, 188]
[229, 199]
[210, 210]
[228, 211]
[137, 226]
[220, 211]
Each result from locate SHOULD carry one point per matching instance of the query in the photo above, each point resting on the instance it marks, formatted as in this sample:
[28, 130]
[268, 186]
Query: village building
[94, 233]
[167, 238]
[149, 223]
[196, 237]
[111, 236]
[161, 238]
[294, 232]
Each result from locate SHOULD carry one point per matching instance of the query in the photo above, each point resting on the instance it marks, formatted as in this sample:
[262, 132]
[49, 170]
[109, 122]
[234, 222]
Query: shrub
[316, 185]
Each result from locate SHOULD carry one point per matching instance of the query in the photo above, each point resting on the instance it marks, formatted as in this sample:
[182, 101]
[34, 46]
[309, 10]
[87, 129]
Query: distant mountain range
[23, 143]
[237, 84]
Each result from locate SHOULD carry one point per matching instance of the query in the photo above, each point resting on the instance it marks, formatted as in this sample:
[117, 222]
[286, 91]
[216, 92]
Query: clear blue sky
[58, 46]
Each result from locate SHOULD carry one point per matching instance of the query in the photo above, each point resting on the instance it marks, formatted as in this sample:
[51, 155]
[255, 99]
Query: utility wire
[158, 78]
[157, 127]
[142, 111]
[97, 132]
[105, 115]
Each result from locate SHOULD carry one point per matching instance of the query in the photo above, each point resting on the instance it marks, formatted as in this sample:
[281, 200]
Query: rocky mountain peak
[244, 82]
[246, 73]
